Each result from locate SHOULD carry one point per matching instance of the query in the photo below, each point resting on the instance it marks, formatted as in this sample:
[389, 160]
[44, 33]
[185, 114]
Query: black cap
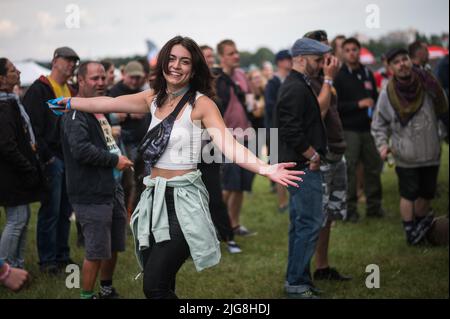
[393, 53]
[65, 52]
[283, 55]
[318, 35]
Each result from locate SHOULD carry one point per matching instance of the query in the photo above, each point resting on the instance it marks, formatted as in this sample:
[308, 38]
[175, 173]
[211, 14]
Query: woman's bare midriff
[168, 173]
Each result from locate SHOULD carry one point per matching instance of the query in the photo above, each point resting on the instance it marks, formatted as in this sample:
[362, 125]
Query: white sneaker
[233, 248]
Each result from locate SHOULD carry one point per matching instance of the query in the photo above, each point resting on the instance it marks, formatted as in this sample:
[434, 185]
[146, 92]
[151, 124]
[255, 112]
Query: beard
[312, 72]
[405, 77]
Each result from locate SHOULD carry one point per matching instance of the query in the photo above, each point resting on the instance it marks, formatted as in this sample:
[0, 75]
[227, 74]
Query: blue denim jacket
[191, 206]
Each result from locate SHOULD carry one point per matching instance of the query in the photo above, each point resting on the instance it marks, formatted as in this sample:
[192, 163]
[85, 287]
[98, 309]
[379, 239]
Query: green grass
[405, 272]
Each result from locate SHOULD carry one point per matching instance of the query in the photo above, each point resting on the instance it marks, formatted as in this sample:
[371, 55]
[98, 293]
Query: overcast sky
[33, 29]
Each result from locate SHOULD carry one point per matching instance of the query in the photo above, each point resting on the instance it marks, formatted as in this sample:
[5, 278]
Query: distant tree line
[378, 47]
[248, 59]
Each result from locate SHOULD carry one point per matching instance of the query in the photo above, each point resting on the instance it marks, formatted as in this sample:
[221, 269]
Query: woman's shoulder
[150, 99]
[149, 96]
[202, 100]
[203, 104]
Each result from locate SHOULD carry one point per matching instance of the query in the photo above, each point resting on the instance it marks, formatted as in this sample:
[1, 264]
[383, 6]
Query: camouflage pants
[334, 190]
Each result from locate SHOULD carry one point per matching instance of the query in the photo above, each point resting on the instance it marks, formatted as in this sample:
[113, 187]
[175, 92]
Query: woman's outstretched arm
[239, 154]
[132, 103]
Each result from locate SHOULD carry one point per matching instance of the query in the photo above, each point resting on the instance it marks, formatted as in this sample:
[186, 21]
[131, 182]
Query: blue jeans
[53, 224]
[13, 239]
[306, 218]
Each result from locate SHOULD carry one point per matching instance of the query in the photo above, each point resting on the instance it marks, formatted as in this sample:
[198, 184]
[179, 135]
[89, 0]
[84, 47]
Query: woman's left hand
[279, 173]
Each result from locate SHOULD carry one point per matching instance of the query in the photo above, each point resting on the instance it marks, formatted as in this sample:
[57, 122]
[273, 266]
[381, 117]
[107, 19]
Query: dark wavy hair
[3, 69]
[202, 80]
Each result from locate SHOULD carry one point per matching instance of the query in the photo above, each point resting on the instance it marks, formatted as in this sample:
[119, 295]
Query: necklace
[173, 95]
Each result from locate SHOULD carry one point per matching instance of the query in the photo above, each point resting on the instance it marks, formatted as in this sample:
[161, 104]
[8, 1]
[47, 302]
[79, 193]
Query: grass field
[405, 272]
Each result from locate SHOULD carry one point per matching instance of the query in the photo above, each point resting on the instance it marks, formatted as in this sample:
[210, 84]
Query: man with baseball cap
[53, 224]
[406, 124]
[302, 139]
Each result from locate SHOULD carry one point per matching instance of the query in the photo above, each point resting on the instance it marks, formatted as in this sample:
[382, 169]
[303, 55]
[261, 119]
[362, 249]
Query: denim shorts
[103, 226]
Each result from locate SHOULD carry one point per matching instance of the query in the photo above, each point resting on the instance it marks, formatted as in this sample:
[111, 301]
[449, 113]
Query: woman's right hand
[279, 173]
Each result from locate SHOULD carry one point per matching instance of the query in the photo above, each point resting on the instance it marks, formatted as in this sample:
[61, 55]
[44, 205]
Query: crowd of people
[336, 121]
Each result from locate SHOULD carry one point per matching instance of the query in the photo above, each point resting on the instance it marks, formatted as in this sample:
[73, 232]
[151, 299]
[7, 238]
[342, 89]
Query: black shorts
[417, 182]
[235, 178]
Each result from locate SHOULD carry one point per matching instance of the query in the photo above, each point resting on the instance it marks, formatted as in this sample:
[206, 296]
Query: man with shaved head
[93, 166]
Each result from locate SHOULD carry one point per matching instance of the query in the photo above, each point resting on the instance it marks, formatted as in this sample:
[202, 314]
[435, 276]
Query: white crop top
[184, 147]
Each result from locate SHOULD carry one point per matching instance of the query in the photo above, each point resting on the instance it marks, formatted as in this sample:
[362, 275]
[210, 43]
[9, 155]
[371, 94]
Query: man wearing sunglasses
[53, 224]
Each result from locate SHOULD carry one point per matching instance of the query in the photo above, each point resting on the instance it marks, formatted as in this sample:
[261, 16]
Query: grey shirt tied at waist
[191, 206]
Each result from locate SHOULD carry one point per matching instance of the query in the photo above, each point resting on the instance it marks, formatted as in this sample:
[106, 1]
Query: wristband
[6, 273]
[68, 104]
[328, 81]
[55, 107]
